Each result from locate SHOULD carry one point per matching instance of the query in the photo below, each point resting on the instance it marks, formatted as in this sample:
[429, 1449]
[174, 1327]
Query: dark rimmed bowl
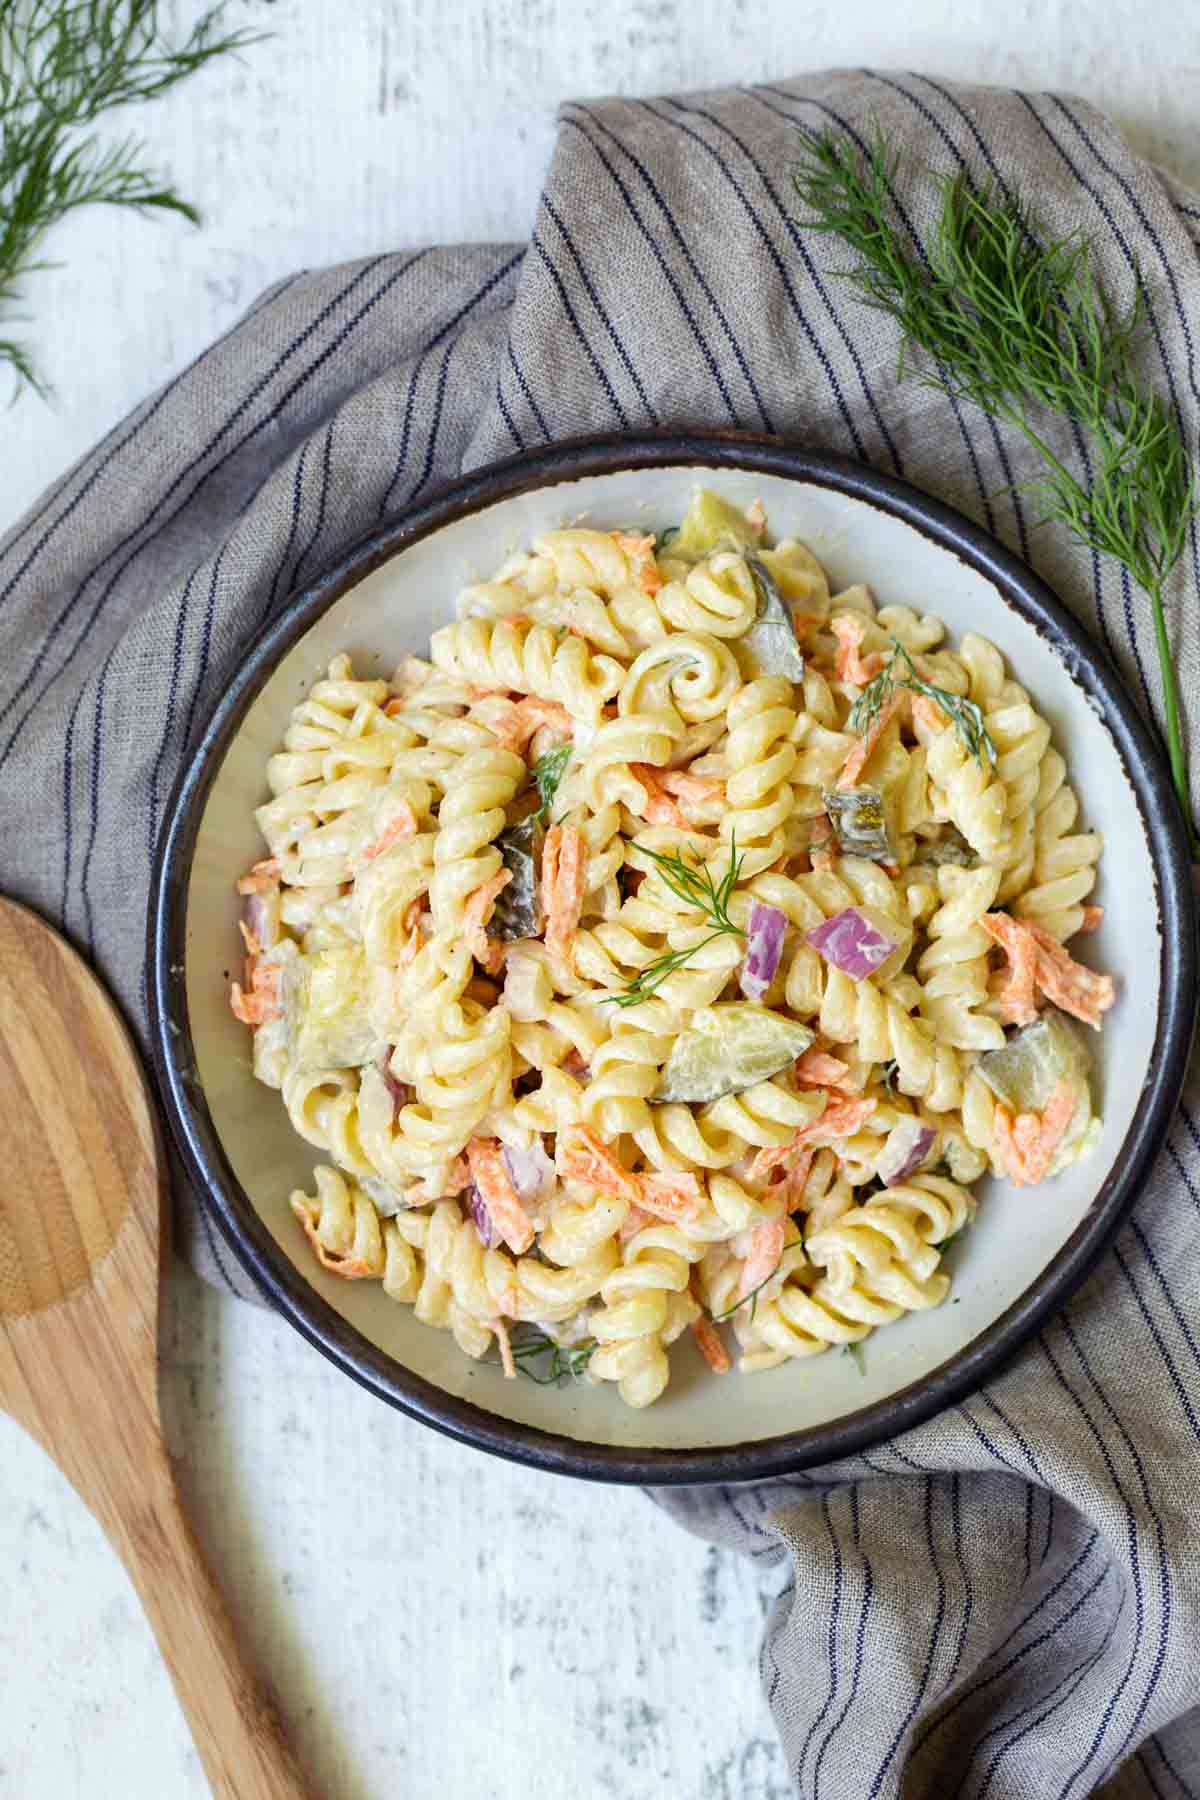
[1016, 1264]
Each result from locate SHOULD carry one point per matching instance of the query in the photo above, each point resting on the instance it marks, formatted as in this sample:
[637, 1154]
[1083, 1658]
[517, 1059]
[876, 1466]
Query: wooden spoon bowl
[83, 1234]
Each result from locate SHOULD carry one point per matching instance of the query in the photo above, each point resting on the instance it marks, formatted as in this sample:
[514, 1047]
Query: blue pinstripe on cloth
[1005, 1602]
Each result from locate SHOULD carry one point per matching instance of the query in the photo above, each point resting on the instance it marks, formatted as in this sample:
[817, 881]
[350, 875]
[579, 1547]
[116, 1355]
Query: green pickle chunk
[1025, 1073]
[728, 1047]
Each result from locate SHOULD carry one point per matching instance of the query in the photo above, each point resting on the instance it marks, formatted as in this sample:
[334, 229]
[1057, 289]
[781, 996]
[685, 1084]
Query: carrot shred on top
[659, 808]
[499, 1195]
[860, 753]
[711, 1348]
[350, 1268]
[1092, 915]
[505, 1347]
[766, 1248]
[563, 876]
[841, 1118]
[820, 853]
[260, 1000]
[641, 551]
[668, 1195]
[928, 713]
[261, 878]
[850, 664]
[817, 1069]
[1018, 991]
[476, 913]
[1026, 1142]
[522, 718]
[1067, 984]
[585, 1157]
[402, 824]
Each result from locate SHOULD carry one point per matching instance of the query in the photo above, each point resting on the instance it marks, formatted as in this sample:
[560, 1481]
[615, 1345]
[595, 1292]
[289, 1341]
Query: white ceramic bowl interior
[1016, 1234]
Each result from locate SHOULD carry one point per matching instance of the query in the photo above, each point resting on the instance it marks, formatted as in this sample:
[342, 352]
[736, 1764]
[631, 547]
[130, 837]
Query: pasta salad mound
[672, 951]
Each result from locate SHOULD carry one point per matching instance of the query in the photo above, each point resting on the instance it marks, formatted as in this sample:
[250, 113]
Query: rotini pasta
[670, 953]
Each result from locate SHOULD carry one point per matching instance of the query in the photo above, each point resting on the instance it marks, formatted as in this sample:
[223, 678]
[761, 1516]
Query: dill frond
[62, 64]
[1015, 322]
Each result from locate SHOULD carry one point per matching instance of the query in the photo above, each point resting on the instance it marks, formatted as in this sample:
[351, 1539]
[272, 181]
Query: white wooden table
[437, 1623]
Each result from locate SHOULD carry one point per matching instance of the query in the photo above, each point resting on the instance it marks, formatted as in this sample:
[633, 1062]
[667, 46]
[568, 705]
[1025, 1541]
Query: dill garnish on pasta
[669, 953]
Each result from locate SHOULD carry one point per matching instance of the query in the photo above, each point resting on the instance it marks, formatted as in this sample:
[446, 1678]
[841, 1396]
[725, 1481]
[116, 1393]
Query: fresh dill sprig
[564, 1362]
[62, 64]
[901, 671]
[547, 772]
[752, 1297]
[693, 884]
[1015, 323]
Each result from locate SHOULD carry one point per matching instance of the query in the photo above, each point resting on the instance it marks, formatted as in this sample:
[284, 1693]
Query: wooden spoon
[83, 1234]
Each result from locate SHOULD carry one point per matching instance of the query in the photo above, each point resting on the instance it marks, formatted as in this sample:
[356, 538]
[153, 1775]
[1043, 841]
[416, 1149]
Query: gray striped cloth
[1006, 1601]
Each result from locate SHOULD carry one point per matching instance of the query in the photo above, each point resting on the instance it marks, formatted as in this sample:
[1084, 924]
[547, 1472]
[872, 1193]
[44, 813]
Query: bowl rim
[203, 1156]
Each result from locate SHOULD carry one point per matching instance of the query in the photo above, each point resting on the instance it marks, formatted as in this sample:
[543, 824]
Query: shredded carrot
[766, 1248]
[402, 824]
[711, 1348]
[820, 854]
[457, 1178]
[262, 1000]
[1067, 984]
[585, 1157]
[261, 878]
[1018, 992]
[499, 1195]
[350, 1268]
[1026, 1143]
[850, 664]
[928, 713]
[668, 1195]
[756, 517]
[479, 908]
[817, 1069]
[410, 949]
[692, 790]
[795, 1178]
[859, 754]
[841, 1118]
[563, 875]
[525, 717]
[505, 1346]
[253, 947]
[659, 808]
[1092, 916]
[641, 549]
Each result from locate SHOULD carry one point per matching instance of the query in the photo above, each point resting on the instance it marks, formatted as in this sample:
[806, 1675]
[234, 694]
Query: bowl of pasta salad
[672, 959]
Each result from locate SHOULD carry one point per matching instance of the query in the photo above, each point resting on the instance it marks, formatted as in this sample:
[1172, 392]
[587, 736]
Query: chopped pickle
[728, 1047]
[1024, 1074]
[517, 912]
[328, 1026]
[951, 847]
[856, 815]
[770, 646]
[709, 524]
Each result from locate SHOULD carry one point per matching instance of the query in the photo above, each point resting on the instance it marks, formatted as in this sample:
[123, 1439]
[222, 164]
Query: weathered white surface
[376, 124]
[437, 1623]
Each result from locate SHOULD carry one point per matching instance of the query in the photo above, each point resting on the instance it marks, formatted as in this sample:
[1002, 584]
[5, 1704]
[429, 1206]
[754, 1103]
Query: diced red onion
[853, 943]
[402, 1094]
[477, 1206]
[530, 1171]
[764, 947]
[908, 1145]
[260, 915]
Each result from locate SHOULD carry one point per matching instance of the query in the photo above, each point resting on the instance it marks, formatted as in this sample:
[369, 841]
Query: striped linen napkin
[1006, 1601]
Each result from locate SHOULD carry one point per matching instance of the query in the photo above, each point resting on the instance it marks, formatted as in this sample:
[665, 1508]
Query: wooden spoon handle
[234, 1720]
